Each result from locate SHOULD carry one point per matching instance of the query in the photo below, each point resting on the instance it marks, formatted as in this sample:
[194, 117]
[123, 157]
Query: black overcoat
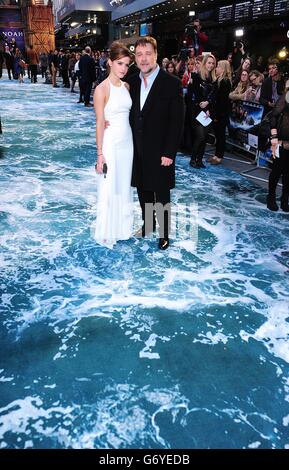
[87, 68]
[157, 130]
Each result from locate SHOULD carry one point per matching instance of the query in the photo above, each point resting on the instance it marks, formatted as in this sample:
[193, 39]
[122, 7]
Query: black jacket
[280, 118]
[200, 90]
[157, 130]
[266, 92]
[87, 70]
[222, 105]
[9, 60]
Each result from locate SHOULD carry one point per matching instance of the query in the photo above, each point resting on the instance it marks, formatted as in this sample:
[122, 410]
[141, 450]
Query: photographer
[194, 38]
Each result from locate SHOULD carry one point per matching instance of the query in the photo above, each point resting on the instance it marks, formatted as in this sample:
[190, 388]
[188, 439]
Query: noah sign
[16, 33]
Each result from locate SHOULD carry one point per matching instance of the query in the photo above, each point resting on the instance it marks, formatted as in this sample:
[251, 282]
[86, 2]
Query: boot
[194, 163]
[271, 203]
[200, 163]
[284, 202]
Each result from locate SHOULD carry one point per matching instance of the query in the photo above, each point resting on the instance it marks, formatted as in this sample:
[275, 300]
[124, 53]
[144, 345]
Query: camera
[239, 44]
[183, 54]
[190, 29]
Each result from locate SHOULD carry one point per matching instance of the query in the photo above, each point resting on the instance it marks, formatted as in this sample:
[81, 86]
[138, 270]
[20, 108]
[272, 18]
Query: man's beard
[150, 70]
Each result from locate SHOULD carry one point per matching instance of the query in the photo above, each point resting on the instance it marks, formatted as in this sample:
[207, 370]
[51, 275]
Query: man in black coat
[2, 49]
[273, 87]
[9, 61]
[87, 75]
[157, 120]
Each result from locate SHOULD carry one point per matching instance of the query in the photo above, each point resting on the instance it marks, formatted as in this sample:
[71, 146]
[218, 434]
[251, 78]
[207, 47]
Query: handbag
[22, 63]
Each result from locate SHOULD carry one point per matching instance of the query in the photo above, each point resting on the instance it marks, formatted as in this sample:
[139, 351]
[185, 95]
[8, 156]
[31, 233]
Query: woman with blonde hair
[221, 108]
[190, 68]
[200, 97]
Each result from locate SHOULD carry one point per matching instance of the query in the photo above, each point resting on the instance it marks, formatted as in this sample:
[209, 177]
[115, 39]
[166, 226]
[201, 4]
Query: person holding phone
[280, 151]
[112, 103]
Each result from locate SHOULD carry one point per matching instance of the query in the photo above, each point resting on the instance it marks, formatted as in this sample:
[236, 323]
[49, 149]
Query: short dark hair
[274, 62]
[147, 40]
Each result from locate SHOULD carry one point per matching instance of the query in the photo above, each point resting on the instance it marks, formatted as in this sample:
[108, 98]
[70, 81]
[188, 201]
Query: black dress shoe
[272, 204]
[164, 243]
[284, 203]
[193, 163]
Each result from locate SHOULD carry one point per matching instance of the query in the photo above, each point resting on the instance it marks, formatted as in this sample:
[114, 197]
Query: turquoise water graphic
[133, 347]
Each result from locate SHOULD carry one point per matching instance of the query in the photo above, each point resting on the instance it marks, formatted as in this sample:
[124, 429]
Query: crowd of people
[210, 85]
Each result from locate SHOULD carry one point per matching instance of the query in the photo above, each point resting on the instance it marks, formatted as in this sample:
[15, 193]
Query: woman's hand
[99, 164]
[274, 145]
[165, 161]
[204, 104]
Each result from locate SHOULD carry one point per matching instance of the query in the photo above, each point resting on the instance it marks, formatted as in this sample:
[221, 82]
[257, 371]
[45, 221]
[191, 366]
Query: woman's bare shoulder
[102, 88]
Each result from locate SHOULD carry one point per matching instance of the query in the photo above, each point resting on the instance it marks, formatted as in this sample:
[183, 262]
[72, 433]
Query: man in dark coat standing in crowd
[157, 120]
[2, 50]
[273, 87]
[33, 61]
[87, 75]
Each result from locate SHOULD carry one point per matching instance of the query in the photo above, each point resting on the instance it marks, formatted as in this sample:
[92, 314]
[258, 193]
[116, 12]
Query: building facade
[268, 20]
[29, 22]
[82, 22]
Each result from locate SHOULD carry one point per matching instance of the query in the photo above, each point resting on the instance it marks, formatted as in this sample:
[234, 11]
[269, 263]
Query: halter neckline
[116, 86]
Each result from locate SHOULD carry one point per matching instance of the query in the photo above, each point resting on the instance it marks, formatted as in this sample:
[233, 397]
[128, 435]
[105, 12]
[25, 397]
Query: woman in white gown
[112, 103]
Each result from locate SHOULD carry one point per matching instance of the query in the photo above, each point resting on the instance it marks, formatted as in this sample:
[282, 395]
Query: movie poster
[15, 33]
[245, 115]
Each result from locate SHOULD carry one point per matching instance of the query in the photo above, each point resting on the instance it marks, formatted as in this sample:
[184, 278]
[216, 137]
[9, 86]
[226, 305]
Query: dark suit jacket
[222, 105]
[9, 60]
[87, 70]
[157, 131]
[266, 92]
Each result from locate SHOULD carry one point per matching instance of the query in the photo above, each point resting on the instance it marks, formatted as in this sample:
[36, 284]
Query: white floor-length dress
[114, 217]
